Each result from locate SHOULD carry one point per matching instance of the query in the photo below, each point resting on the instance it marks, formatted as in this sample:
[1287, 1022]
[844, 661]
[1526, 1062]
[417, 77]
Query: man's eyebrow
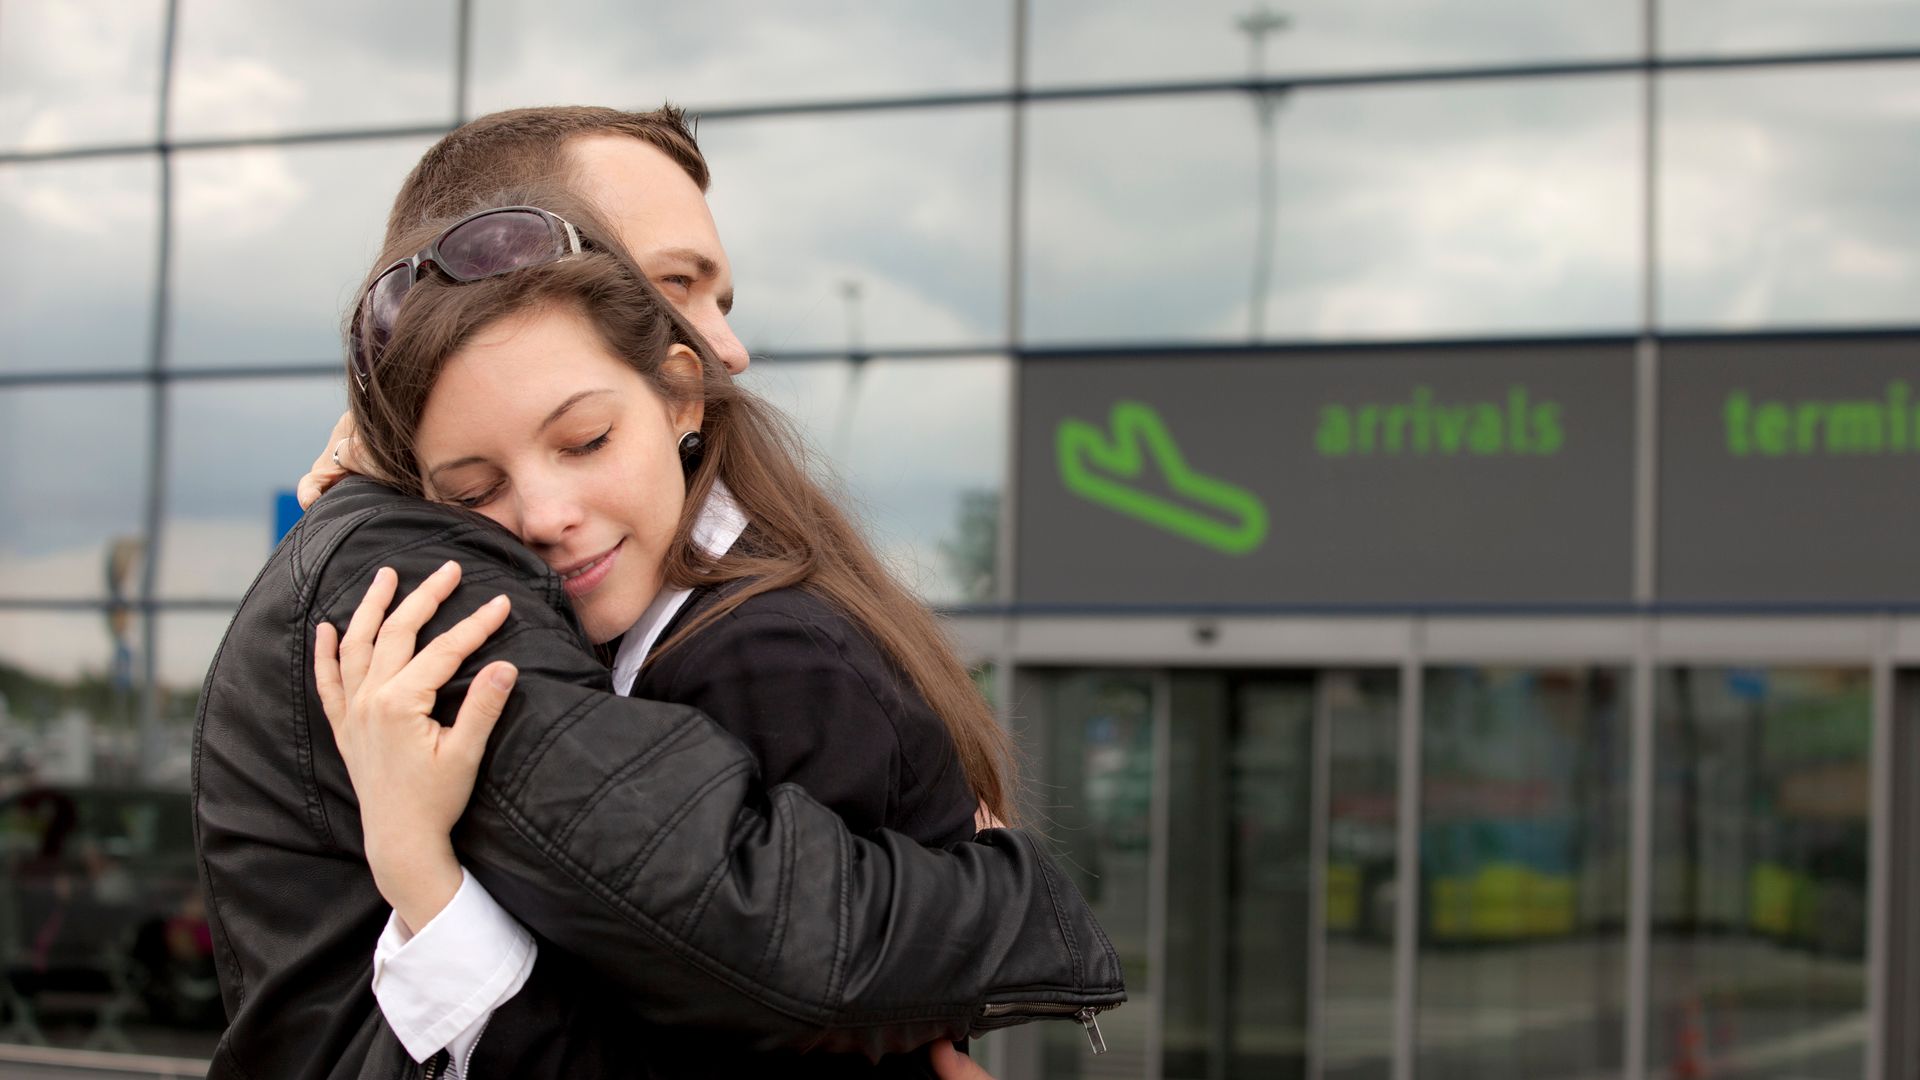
[474, 459]
[701, 261]
[568, 404]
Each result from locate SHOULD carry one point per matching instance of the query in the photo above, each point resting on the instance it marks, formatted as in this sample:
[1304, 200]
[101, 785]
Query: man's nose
[726, 347]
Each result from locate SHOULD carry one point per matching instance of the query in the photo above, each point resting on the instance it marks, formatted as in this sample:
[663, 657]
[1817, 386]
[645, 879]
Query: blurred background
[1430, 482]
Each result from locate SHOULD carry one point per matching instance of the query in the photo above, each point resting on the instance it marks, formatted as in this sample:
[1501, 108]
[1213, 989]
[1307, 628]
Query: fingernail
[498, 601]
[446, 566]
[503, 676]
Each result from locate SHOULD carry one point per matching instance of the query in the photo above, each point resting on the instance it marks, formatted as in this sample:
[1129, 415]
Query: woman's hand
[951, 1064]
[336, 461]
[413, 777]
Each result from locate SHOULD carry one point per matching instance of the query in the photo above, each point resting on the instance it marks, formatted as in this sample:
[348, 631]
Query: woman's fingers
[326, 472]
[442, 656]
[393, 644]
[486, 699]
[951, 1064]
[356, 647]
[326, 673]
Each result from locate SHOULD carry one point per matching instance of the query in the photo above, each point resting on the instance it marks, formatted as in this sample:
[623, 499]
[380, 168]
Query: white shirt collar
[720, 523]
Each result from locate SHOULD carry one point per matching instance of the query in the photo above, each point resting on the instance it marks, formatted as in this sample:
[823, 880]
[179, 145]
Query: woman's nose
[546, 516]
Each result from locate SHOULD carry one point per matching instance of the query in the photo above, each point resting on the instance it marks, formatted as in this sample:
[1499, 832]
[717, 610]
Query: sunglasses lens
[495, 244]
[374, 324]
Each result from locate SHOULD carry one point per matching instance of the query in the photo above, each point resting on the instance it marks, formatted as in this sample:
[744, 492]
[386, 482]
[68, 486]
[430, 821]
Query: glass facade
[1323, 847]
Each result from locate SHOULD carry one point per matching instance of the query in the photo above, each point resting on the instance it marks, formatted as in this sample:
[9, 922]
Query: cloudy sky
[1472, 208]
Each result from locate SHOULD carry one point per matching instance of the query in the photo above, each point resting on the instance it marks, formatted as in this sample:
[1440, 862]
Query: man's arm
[635, 838]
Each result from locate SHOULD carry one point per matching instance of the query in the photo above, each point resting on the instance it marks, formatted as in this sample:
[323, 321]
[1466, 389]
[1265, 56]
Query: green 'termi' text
[1422, 427]
[1851, 426]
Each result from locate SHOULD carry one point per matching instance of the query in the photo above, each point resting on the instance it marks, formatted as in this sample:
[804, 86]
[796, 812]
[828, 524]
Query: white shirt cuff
[438, 987]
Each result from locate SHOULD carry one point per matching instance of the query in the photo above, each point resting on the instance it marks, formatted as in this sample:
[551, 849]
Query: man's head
[643, 169]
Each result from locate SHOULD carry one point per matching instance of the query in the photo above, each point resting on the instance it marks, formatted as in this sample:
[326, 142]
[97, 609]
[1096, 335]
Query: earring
[690, 446]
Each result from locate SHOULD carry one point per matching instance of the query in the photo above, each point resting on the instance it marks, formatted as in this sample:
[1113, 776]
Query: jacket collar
[720, 523]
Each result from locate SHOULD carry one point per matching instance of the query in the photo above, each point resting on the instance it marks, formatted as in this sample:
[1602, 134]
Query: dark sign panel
[1790, 471]
[1469, 475]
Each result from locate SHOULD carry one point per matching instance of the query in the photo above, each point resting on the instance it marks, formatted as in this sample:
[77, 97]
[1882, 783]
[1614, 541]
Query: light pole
[850, 290]
[1257, 24]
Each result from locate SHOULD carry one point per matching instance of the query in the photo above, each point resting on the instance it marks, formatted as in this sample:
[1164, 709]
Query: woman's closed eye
[591, 446]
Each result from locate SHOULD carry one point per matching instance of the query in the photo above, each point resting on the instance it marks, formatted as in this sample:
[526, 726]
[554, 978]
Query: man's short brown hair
[522, 147]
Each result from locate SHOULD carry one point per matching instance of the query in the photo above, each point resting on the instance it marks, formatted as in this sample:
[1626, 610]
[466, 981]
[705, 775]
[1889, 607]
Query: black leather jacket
[667, 886]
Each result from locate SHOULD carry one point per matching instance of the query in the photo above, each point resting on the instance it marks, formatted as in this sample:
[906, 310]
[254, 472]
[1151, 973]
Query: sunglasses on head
[482, 245]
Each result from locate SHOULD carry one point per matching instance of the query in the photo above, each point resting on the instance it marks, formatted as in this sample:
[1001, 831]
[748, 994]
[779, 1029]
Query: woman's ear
[682, 366]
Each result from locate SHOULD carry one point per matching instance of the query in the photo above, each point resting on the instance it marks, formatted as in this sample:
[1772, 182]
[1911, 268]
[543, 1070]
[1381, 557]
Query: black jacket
[633, 838]
[818, 704]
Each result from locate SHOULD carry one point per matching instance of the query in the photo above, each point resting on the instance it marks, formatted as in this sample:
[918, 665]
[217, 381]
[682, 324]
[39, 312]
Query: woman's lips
[589, 577]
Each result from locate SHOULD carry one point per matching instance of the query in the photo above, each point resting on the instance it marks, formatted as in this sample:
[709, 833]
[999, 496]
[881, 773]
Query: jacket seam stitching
[645, 854]
[617, 776]
[1059, 916]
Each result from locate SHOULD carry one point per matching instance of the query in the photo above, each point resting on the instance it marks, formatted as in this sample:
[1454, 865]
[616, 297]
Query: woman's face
[538, 426]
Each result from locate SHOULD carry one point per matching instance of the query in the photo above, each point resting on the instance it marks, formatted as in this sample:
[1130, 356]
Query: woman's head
[553, 399]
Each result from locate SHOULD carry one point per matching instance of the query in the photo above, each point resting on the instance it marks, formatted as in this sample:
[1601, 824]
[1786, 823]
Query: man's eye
[681, 281]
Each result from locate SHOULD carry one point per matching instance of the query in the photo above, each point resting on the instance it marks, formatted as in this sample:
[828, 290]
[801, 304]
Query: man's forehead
[652, 201]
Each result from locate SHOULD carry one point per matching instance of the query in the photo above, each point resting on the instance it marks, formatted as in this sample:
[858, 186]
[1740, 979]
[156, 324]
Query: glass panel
[73, 482]
[102, 930]
[921, 448]
[242, 68]
[271, 245]
[1363, 806]
[1694, 27]
[1098, 807]
[875, 230]
[1237, 878]
[1399, 211]
[78, 293]
[1523, 874]
[1758, 966]
[731, 52]
[1787, 197]
[232, 448]
[79, 73]
[1080, 42]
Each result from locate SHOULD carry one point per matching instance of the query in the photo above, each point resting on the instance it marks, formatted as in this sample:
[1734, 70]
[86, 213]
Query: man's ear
[682, 367]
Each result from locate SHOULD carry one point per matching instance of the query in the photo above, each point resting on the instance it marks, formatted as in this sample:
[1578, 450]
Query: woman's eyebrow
[568, 404]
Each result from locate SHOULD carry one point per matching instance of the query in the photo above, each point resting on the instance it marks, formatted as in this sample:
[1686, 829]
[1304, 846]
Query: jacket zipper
[1088, 1016]
[466, 1059]
[434, 1064]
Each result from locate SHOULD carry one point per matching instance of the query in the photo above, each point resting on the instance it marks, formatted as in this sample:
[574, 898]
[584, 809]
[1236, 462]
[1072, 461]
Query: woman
[559, 396]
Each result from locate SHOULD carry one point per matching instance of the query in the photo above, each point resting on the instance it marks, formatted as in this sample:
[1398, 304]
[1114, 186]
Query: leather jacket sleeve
[635, 837]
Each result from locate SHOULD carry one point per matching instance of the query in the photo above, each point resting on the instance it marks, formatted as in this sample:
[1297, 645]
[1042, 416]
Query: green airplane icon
[1103, 469]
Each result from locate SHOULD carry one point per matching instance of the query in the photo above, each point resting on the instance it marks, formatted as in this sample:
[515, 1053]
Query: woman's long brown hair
[799, 538]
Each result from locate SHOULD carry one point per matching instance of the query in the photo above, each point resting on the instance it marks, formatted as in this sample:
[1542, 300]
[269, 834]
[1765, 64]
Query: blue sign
[286, 511]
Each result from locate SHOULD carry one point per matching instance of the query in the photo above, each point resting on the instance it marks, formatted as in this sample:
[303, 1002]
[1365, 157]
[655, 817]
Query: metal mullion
[1635, 1002]
[1320, 795]
[157, 409]
[1005, 568]
[1160, 834]
[1640, 860]
[1406, 910]
[462, 59]
[1880, 829]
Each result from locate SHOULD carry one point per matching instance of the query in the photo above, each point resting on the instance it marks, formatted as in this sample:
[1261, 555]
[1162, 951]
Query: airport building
[1430, 485]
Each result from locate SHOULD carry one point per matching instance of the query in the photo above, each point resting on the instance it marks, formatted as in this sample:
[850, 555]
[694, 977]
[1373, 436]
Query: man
[797, 942]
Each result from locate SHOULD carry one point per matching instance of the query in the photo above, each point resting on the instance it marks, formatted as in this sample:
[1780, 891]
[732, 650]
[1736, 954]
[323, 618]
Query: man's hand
[951, 1064]
[339, 458]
